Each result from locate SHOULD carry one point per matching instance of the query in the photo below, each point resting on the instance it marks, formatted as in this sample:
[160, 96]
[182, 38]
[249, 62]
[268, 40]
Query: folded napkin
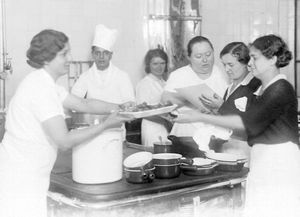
[203, 135]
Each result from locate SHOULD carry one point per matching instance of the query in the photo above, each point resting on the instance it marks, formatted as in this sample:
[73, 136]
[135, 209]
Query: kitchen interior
[142, 25]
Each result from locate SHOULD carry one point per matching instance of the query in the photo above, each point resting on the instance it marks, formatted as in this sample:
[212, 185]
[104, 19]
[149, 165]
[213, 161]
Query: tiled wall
[223, 22]
[76, 18]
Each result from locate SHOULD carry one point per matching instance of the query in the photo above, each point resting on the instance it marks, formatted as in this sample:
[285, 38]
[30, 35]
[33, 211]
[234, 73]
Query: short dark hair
[238, 50]
[44, 46]
[152, 54]
[197, 39]
[273, 45]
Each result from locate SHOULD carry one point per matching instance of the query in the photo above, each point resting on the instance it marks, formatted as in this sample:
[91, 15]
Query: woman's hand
[211, 103]
[188, 116]
[115, 120]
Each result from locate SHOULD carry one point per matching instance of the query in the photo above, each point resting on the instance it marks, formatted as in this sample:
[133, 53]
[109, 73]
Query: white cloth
[104, 37]
[273, 188]
[203, 135]
[184, 77]
[26, 154]
[149, 90]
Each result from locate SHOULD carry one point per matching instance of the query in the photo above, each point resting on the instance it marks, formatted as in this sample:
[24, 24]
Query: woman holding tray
[36, 128]
[271, 125]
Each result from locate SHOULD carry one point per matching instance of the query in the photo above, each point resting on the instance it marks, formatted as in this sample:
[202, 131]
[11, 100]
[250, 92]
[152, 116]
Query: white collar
[150, 75]
[259, 90]
[244, 82]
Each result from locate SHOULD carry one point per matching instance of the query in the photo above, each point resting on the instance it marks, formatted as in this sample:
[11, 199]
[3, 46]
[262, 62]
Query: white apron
[273, 183]
[149, 90]
[22, 187]
[27, 155]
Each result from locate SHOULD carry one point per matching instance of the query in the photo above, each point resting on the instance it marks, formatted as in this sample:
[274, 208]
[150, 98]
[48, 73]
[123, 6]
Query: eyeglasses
[105, 53]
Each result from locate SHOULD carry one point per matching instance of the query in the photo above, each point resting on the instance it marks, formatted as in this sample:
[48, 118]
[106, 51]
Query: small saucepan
[163, 147]
[167, 165]
[139, 175]
[139, 168]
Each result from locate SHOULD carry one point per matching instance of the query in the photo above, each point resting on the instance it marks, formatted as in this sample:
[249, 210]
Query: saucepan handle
[188, 161]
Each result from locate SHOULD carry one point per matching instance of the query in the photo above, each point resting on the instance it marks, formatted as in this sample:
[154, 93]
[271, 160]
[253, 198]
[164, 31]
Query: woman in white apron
[270, 122]
[201, 70]
[149, 90]
[36, 128]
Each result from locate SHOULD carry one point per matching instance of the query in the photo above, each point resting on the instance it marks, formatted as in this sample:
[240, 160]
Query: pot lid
[138, 159]
[198, 161]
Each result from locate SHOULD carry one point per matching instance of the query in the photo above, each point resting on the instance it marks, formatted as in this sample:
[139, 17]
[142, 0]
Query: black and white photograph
[149, 108]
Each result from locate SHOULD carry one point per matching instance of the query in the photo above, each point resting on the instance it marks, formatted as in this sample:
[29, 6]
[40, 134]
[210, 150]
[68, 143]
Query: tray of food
[145, 110]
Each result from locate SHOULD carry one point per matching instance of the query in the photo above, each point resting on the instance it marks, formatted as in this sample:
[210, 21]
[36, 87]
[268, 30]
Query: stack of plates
[200, 166]
[228, 162]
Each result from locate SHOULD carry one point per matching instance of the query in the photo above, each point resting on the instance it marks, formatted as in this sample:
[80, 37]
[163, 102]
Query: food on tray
[145, 110]
[145, 107]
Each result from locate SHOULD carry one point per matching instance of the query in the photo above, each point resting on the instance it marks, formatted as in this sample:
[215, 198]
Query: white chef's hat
[104, 37]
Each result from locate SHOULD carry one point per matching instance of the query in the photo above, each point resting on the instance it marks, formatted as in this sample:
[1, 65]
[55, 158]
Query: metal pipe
[3, 57]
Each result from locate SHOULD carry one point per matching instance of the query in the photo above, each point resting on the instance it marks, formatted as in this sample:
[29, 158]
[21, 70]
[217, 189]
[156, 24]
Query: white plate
[225, 157]
[197, 161]
[151, 112]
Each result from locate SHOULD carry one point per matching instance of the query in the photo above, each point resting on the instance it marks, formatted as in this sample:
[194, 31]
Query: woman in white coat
[149, 90]
[36, 128]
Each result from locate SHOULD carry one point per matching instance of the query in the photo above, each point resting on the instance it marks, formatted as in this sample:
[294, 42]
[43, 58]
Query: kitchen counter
[220, 192]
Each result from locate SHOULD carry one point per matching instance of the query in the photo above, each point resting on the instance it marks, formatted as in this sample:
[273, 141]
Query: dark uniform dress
[246, 89]
[273, 184]
[228, 107]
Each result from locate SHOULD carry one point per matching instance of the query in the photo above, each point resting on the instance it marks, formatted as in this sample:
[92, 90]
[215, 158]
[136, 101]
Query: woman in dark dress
[235, 58]
[270, 122]
[239, 94]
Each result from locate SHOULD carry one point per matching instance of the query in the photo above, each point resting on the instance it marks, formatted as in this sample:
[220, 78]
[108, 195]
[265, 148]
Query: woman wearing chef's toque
[149, 90]
[239, 94]
[201, 70]
[271, 125]
[36, 128]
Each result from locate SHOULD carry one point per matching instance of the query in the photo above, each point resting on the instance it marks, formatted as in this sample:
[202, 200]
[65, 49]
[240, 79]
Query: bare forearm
[173, 98]
[79, 136]
[92, 106]
[229, 121]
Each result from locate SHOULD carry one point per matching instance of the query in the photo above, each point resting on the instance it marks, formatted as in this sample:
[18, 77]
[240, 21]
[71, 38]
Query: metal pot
[193, 170]
[163, 147]
[139, 168]
[139, 176]
[167, 165]
[231, 167]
